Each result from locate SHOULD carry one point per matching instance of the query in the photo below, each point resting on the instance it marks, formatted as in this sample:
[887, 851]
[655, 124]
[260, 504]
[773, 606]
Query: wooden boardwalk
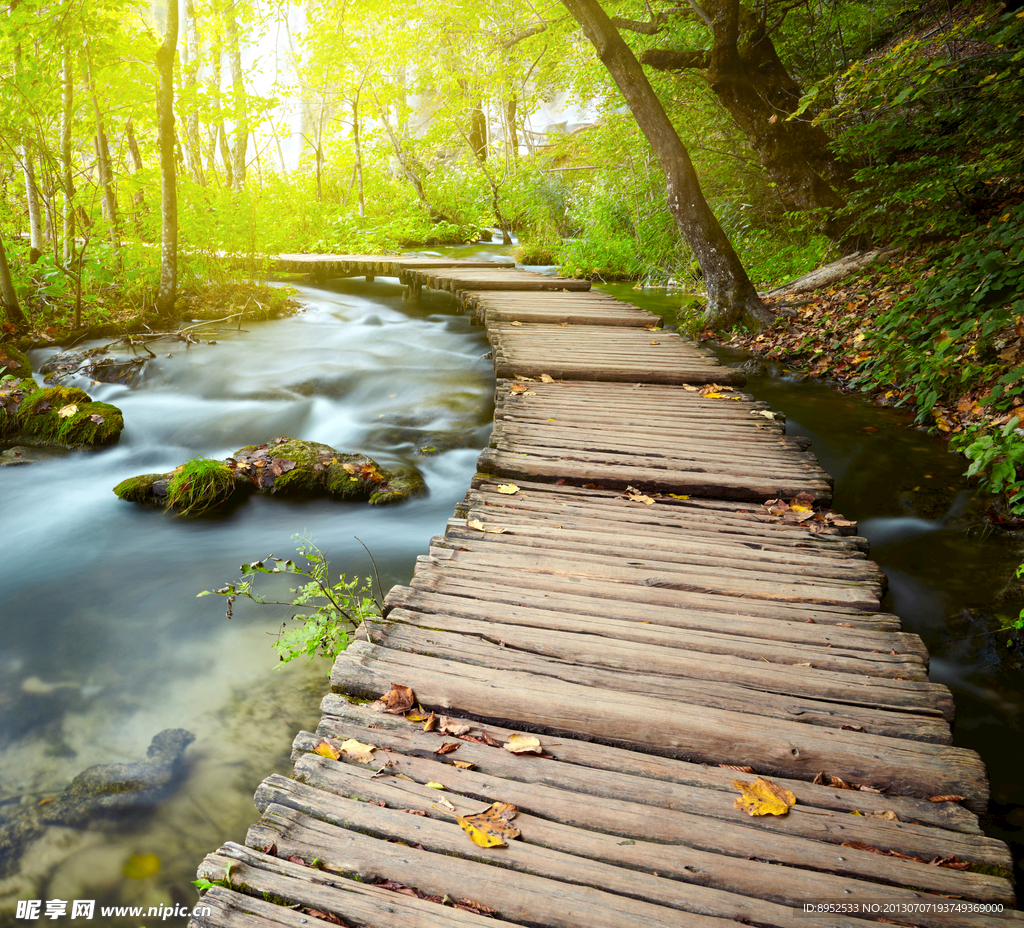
[619, 585]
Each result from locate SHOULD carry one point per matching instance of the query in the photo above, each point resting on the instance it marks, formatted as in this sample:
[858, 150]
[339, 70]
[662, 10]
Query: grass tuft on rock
[199, 485]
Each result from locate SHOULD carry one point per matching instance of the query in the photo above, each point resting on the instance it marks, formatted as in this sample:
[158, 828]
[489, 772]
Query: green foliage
[199, 485]
[935, 124]
[997, 458]
[337, 609]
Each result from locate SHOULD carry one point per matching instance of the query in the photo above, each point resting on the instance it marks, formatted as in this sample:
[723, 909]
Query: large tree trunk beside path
[732, 297]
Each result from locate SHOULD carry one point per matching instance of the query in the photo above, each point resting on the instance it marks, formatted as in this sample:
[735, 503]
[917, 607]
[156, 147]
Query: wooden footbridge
[617, 624]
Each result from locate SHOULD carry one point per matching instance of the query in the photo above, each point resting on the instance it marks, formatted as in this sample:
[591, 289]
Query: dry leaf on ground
[463, 764]
[945, 798]
[507, 488]
[450, 726]
[634, 495]
[398, 700]
[546, 378]
[762, 797]
[492, 827]
[480, 527]
[523, 744]
[66, 412]
[326, 749]
[447, 747]
[359, 752]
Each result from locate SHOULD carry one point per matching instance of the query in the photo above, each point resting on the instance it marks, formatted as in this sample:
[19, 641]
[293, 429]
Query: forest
[824, 198]
[808, 130]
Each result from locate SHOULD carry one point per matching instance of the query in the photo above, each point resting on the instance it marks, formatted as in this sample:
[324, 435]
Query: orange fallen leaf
[463, 764]
[430, 723]
[447, 747]
[738, 769]
[398, 700]
[493, 827]
[762, 797]
[945, 798]
[325, 749]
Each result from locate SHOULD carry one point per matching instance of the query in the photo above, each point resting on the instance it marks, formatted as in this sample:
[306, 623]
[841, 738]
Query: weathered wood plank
[708, 735]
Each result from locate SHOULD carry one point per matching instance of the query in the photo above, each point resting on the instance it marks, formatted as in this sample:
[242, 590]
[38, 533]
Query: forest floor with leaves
[841, 333]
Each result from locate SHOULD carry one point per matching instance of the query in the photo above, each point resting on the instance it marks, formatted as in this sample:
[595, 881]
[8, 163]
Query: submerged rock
[24, 454]
[14, 363]
[282, 467]
[63, 416]
[95, 364]
[102, 791]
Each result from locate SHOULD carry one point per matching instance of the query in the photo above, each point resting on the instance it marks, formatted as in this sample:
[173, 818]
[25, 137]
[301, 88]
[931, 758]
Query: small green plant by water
[337, 609]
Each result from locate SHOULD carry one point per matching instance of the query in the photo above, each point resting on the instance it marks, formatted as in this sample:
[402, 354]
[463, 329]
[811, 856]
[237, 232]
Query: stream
[104, 644]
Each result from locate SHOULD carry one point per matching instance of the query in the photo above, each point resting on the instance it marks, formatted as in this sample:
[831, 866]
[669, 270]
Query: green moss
[199, 485]
[139, 489]
[991, 870]
[67, 416]
[404, 483]
[14, 363]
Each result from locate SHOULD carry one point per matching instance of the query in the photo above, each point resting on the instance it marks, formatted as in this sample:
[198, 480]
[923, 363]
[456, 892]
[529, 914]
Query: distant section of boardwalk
[618, 585]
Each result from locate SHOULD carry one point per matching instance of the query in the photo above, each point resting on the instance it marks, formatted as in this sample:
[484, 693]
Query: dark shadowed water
[103, 642]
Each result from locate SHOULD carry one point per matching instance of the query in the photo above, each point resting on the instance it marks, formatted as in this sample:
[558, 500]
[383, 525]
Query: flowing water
[103, 643]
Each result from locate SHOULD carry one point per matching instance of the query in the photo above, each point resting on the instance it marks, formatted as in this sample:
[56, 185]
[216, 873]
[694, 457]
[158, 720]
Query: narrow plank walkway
[617, 584]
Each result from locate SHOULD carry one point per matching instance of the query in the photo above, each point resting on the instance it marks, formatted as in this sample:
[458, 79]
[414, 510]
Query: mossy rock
[14, 363]
[68, 417]
[283, 467]
[12, 395]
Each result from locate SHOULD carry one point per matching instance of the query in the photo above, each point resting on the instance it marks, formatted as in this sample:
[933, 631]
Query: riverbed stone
[96, 364]
[298, 468]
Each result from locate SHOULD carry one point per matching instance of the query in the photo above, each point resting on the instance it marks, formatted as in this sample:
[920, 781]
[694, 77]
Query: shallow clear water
[103, 642]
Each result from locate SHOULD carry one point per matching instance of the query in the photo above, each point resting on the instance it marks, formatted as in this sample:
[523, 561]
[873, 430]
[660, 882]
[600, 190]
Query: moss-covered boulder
[282, 467]
[68, 417]
[14, 363]
[12, 394]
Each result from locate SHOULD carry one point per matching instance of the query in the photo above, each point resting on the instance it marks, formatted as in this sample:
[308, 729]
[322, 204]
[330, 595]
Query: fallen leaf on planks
[515, 322]
[480, 527]
[463, 764]
[447, 747]
[449, 726]
[493, 827]
[434, 785]
[765, 413]
[417, 715]
[690, 388]
[679, 496]
[521, 389]
[326, 749]
[762, 797]
[945, 798]
[323, 916]
[888, 815]
[634, 495]
[737, 769]
[507, 488]
[546, 378]
[444, 802]
[413, 811]
[359, 752]
[398, 700]
[523, 377]
[523, 744]
[824, 779]
[430, 723]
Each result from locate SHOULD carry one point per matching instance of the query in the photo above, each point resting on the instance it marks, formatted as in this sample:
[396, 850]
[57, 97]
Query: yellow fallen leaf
[359, 752]
[762, 797]
[713, 395]
[67, 411]
[633, 494]
[801, 509]
[523, 744]
[417, 715]
[679, 496]
[521, 377]
[655, 343]
[463, 764]
[546, 378]
[508, 488]
[434, 785]
[480, 527]
[687, 386]
[515, 322]
[492, 827]
[325, 749]
[141, 866]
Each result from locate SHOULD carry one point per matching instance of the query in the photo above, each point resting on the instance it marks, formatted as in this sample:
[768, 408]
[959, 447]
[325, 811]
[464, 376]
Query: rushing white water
[103, 642]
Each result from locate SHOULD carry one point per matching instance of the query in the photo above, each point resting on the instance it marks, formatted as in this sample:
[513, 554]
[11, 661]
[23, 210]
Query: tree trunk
[190, 71]
[731, 296]
[35, 218]
[239, 102]
[106, 177]
[66, 167]
[748, 77]
[168, 179]
[478, 131]
[357, 146]
[140, 196]
[407, 168]
[9, 297]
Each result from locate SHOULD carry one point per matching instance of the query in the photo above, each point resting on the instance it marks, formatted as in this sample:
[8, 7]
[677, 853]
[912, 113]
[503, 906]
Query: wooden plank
[569, 855]
[694, 812]
[708, 735]
[360, 902]
[701, 630]
[518, 897]
[344, 714]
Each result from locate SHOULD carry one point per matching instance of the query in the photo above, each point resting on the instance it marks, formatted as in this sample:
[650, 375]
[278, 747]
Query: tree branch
[668, 59]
